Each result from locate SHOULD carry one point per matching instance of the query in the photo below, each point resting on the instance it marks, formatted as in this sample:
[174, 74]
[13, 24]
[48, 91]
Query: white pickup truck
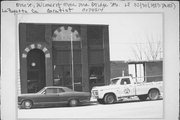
[122, 87]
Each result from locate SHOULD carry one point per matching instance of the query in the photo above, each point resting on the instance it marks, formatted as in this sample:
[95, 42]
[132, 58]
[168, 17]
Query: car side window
[51, 90]
[60, 90]
[125, 81]
[114, 81]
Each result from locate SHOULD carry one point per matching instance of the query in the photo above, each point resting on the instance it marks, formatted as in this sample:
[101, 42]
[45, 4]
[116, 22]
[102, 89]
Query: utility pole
[72, 61]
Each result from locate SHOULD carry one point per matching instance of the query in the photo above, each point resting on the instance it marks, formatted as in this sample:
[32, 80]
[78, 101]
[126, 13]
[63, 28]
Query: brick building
[71, 55]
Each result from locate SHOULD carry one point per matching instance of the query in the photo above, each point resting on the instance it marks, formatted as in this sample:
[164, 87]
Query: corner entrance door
[35, 70]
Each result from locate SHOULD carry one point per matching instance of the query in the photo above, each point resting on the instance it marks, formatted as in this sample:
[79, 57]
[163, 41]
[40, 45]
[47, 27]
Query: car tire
[27, 104]
[153, 94]
[73, 102]
[142, 97]
[109, 99]
[101, 101]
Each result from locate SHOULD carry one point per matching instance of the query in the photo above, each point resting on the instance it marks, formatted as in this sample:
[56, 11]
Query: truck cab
[125, 86]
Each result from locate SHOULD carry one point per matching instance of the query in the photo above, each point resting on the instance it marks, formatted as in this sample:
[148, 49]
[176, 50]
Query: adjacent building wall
[119, 68]
[154, 71]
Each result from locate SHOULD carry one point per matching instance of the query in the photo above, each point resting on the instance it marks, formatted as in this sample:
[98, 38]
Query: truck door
[126, 88]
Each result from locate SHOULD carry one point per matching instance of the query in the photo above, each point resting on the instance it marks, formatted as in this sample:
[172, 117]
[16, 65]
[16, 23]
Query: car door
[63, 95]
[126, 88]
[49, 96]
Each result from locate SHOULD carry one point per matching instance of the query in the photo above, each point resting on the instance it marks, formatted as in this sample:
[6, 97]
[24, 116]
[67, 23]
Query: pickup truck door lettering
[126, 90]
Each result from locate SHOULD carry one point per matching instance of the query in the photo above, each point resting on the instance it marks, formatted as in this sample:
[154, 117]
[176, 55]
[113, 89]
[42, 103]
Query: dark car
[53, 95]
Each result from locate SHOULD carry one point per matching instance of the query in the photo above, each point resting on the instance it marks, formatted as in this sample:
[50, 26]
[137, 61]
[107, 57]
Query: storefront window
[96, 75]
[67, 57]
[95, 37]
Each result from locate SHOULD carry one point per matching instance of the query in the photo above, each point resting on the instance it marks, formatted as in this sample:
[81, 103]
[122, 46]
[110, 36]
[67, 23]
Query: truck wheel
[101, 101]
[73, 102]
[153, 94]
[142, 97]
[27, 104]
[109, 99]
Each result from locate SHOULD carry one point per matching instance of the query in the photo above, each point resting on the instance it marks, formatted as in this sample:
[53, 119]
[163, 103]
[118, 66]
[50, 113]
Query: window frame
[127, 80]
[56, 92]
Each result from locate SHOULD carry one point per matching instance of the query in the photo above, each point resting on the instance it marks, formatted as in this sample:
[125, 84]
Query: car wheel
[73, 102]
[109, 99]
[142, 97]
[101, 101]
[27, 104]
[153, 94]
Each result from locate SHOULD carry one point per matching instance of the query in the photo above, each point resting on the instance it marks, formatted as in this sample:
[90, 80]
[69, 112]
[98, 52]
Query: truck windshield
[114, 81]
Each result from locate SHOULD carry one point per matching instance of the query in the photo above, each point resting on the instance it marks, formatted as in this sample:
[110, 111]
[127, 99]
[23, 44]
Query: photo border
[164, 59]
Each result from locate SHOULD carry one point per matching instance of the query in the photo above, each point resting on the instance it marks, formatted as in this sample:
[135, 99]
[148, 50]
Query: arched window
[68, 34]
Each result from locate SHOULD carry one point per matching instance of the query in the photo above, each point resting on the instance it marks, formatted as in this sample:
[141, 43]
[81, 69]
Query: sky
[128, 30]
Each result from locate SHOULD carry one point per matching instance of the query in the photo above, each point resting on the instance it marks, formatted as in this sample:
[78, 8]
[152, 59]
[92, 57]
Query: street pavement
[124, 109]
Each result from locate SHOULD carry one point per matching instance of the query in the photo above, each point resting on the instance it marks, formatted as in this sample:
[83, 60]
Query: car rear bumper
[85, 100]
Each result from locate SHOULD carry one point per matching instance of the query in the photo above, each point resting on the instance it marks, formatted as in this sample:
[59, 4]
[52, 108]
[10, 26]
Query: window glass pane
[94, 33]
[67, 78]
[125, 81]
[76, 56]
[66, 89]
[95, 37]
[51, 90]
[140, 72]
[131, 68]
[96, 74]
[114, 81]
[60, 90]
[66, 33]
[96, 57]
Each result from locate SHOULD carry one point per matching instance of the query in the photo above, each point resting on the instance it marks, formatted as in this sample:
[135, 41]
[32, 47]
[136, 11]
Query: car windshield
[114, 81]
[41, 91]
